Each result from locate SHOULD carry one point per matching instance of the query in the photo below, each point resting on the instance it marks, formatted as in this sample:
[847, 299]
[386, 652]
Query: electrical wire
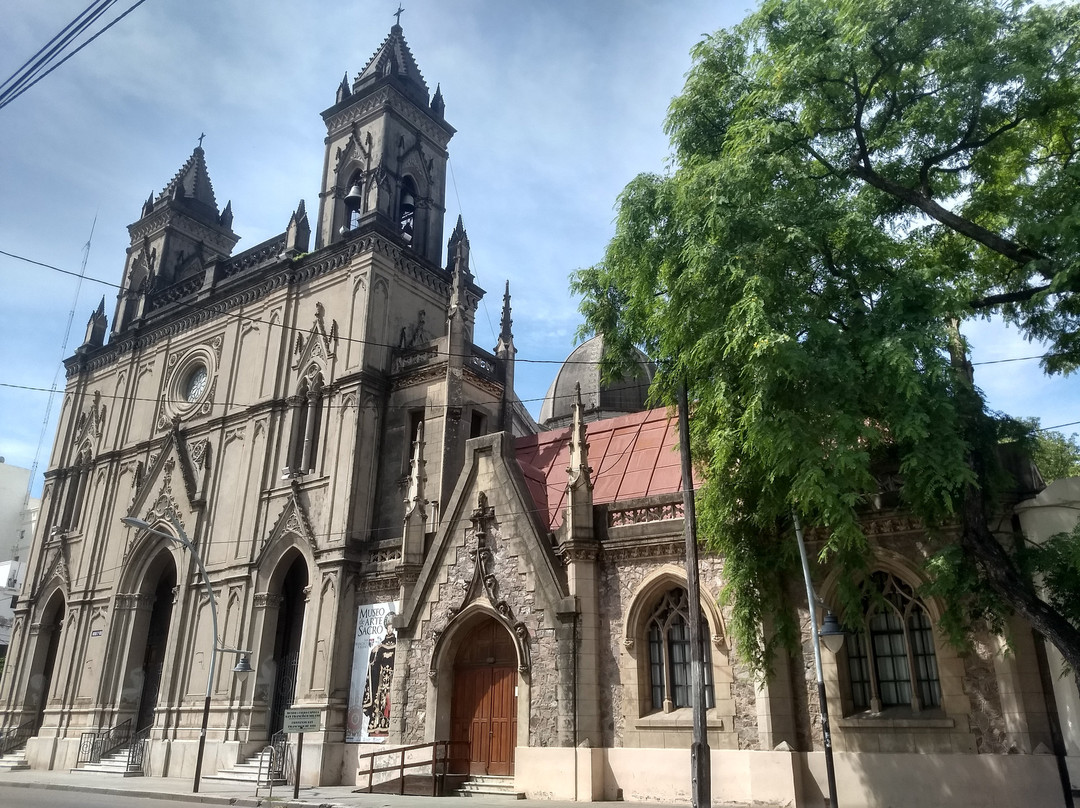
[23, 85]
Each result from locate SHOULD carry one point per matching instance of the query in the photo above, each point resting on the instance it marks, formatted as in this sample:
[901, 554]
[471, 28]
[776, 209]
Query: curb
[205, 799]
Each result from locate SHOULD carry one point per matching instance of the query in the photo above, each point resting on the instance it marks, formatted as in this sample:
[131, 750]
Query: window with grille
[891, 659]
[669, 653]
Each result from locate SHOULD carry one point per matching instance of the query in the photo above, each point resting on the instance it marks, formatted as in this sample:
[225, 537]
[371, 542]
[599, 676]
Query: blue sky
[557, 105]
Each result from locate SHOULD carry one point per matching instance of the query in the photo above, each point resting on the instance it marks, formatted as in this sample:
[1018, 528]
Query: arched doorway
[287, 638]
[45, 653]
[484, 707]
[157, 636]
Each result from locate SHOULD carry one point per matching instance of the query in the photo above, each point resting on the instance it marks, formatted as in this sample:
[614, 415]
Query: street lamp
[833, 636]
[243, 666]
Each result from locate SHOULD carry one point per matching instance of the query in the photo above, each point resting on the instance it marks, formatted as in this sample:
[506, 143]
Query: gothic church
[395, 543]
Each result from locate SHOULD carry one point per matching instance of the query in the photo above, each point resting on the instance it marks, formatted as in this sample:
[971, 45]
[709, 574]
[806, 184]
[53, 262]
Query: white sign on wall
[372, 674]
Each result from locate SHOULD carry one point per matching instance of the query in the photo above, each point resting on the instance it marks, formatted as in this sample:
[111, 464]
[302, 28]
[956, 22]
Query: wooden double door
[484, 709]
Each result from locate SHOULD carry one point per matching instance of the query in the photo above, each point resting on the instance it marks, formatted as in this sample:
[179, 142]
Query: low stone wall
[877, 780]
[864, 780]
[655, 775]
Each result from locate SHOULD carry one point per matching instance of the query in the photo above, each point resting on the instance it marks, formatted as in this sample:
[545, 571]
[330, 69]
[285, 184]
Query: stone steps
[246, 772]
[116, 763]
[489, 785]
[14, 761]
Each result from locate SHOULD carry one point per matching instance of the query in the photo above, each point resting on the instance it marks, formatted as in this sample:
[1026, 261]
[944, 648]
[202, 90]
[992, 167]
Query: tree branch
[1018, 296]
[992, 241]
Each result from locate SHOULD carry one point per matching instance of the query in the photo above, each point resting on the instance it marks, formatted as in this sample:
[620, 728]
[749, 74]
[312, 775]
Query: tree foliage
[851, 181]
[1056, 454]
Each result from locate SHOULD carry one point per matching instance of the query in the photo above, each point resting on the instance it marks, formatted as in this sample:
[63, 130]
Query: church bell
[355, 198]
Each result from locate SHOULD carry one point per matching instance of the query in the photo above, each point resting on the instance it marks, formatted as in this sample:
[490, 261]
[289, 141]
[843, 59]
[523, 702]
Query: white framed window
[891, 657]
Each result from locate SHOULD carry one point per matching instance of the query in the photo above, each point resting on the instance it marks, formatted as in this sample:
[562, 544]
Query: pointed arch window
[891, 658]
[307, 424]
[75, 491]
[407, 210]
[668, 631]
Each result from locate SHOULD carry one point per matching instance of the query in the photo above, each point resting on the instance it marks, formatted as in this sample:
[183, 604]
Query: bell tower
[177, 235]
[385, 165]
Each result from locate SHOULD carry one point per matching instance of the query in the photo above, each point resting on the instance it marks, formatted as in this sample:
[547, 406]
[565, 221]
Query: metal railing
[280, 768]
[11, 740]
[439, 762]
[93, 746]
[137, 750]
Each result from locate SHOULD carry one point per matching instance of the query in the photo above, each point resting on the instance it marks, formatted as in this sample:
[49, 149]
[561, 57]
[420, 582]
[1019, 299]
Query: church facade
[401, 548]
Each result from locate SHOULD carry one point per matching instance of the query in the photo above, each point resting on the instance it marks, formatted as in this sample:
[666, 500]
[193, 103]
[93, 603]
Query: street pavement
[216, 792]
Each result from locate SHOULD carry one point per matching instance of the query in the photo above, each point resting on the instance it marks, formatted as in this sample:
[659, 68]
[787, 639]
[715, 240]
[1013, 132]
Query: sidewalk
[216, 792]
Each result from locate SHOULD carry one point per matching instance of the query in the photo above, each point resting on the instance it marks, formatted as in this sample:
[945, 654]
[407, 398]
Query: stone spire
[505, 352]
[394, 60]
[579, 474]
[95, 327]
[415, 523]
[505, 348]
[460, 278]
[192, 184]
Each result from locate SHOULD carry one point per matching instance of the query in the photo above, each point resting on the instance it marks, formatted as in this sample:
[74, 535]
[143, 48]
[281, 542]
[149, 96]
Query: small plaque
[302, 719]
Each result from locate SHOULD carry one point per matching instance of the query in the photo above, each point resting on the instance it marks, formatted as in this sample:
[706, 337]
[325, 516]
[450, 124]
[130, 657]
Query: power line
[211, 308]
[25, 82]
[373, 343]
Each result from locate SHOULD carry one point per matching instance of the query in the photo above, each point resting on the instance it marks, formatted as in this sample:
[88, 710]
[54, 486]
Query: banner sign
[372, 674]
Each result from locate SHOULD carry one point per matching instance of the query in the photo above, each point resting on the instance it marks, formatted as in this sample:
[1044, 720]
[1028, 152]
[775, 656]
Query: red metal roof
[631, 456]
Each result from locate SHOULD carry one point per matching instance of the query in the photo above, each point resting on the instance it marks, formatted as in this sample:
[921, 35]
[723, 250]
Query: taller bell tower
[385, 165]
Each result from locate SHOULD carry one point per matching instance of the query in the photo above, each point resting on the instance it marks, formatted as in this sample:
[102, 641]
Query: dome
[598, 400]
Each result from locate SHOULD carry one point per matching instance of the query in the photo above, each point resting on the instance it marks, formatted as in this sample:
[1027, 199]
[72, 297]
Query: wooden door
[484, 716]
[484, 709]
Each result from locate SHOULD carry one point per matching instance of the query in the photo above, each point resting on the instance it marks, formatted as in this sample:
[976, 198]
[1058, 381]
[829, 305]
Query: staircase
[248, 772]
[489, 785]
[116, 763]
[14, 761]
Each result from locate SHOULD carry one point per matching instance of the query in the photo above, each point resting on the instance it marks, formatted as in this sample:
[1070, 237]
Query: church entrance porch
[484, 707]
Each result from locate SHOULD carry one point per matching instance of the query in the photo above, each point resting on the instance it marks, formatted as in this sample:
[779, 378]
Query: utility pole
[700, 763]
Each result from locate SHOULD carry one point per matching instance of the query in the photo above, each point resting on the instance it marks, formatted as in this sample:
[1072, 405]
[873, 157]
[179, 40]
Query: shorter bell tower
[179, 233]
[385, 164]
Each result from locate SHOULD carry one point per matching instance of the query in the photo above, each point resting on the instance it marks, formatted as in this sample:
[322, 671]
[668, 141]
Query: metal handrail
[137, 750]
[438, 778]
[269, 771]
[10, 741]
[280, 741]
[93, 746]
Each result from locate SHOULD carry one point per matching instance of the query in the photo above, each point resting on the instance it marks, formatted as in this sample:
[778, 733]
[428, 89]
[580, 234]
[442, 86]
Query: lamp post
[833, 636]
[242, 667]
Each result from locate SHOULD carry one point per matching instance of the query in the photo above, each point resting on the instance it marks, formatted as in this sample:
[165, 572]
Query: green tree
[1056, 455]
[851, 181]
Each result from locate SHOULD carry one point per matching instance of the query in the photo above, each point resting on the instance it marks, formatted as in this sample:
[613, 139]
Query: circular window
[194, 384]
[190, 388]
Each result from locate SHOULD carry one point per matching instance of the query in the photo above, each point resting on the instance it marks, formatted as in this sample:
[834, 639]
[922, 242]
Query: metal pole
[183, 539]
[700, 764]
[830, 772]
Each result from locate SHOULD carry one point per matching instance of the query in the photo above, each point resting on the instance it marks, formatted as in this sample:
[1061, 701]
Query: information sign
[302, 719]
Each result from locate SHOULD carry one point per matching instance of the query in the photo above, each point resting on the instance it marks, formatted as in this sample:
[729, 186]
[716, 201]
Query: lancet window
[669, 653]
[307, 406]
[891, 658]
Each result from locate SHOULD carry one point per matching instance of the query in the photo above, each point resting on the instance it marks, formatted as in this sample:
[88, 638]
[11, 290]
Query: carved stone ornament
[485, 579]
[320, 345]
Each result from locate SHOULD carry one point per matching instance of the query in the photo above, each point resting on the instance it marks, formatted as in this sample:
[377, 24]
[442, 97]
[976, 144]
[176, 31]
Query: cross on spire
[398, 14]
[201, 136]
